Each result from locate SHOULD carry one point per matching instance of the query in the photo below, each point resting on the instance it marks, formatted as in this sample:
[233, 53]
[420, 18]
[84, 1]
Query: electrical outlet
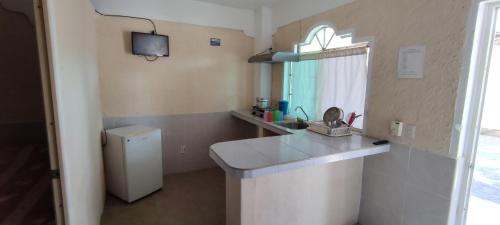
[397, 128]
[182, 149]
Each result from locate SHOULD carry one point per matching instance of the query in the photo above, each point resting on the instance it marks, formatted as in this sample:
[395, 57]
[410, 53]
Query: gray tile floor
[194, 198]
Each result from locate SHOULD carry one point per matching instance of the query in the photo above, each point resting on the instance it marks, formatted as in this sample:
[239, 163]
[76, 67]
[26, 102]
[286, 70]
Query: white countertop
[294, 149]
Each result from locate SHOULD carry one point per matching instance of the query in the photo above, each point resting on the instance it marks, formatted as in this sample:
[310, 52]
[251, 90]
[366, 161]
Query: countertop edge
[247, 173]
[278, 168]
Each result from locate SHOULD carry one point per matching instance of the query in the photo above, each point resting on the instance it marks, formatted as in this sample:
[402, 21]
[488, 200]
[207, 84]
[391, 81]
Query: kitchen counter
[295, 149]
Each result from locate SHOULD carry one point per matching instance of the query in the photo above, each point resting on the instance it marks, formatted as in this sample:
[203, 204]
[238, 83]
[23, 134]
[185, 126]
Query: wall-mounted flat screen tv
[148, 44]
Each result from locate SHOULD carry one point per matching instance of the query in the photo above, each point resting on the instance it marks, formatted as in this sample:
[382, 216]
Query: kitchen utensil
[262, 103]
[351, 117]
[283, 106]
[333, 117]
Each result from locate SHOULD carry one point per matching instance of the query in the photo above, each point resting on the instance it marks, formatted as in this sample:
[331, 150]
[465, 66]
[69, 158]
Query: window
[332, 71]
[323, 38]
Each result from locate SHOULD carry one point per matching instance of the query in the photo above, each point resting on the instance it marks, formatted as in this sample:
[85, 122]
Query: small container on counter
[283, 106]
[268, 116]
[290, 118]
[262, 103]
[277, 116]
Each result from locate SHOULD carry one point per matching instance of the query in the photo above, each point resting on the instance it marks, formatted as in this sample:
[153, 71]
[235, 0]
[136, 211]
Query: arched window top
[323, 38]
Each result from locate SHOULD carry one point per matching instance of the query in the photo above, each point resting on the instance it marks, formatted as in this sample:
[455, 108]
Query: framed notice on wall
[411, 62]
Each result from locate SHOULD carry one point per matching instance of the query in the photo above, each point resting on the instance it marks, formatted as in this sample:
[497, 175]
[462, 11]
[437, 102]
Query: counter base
[326, 194]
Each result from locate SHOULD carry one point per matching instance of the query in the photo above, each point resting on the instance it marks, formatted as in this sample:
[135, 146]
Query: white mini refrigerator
[133, 162]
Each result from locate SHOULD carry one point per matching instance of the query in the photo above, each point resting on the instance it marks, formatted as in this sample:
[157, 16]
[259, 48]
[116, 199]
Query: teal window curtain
[302, 86]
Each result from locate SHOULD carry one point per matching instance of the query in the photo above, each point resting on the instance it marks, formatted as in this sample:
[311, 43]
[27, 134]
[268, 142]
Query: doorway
[477, 136]
[484, 195]
[26, 181]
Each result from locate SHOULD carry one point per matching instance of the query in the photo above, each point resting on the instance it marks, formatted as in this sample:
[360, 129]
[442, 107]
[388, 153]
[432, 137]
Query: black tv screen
[148, 44]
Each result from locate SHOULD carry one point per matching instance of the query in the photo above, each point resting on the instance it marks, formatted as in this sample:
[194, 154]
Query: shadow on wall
[22, 116]
[25, 184]
[127, 42]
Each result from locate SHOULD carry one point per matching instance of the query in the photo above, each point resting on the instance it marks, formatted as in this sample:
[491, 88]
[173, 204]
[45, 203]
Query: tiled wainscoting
[195, 131]
[406, 187]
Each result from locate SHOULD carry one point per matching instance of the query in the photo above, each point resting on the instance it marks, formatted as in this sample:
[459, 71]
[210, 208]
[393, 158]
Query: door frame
[46, 73]
[470, 100]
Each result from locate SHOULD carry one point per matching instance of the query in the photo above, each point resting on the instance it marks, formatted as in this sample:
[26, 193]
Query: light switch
[397, 128]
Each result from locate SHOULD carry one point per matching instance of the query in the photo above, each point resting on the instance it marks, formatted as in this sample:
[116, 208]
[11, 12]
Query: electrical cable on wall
[139, 18]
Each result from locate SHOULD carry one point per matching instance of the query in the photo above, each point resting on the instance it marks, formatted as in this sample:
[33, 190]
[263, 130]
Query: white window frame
[324, 43]
[469, 104]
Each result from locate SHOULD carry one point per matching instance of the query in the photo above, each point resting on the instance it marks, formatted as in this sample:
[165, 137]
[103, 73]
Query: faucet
[302, 109]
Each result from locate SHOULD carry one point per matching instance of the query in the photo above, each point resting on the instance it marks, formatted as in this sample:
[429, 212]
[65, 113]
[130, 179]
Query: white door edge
[47, 90]
[469, 104]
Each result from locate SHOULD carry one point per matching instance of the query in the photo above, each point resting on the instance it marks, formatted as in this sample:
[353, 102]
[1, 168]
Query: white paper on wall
[411, 62]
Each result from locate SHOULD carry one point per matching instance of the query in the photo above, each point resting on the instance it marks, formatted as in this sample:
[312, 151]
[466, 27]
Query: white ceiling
[243, 4]
[233, 14]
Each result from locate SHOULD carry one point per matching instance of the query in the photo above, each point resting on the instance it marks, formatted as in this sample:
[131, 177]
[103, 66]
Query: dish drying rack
[320, 128]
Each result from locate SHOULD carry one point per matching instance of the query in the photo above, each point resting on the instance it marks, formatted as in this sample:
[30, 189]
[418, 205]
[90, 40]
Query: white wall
[185, 11]
[72, 35]
[288, 11]
[263, 41]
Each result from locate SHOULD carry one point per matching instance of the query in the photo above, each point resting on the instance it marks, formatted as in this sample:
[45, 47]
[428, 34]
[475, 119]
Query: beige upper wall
[428, 103]
[73, 53]
[196, 78]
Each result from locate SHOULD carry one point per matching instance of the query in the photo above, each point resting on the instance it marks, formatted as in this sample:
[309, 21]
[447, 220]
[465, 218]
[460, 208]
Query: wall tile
[196, 131]
[406, 187]
[431, 172]
[375, 214]
[425, 208]
[393, 163]
[384, 190]
[370, 214]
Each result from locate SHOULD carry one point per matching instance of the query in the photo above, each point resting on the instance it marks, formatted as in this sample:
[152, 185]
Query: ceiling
[243, 4]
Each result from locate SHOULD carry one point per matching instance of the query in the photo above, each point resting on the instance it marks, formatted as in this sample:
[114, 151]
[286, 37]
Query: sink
[293, 125]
